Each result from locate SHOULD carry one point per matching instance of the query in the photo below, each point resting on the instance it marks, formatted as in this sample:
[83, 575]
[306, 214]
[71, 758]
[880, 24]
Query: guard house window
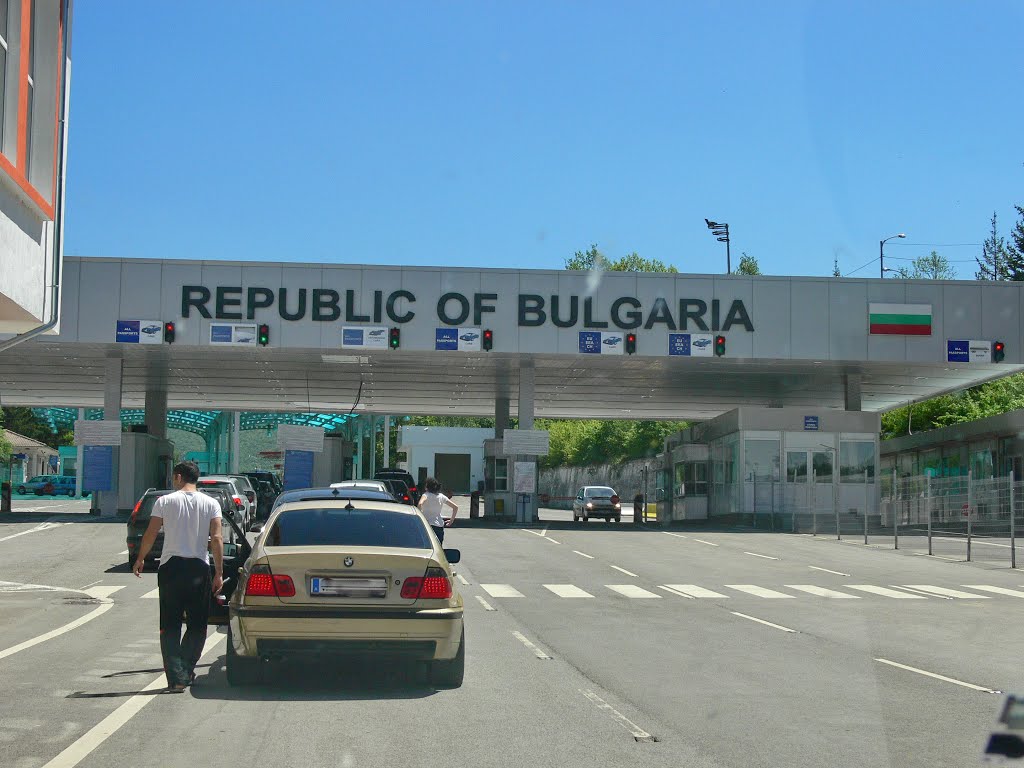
[761, 460]
[5, 8]
[821, 466]
[855, 458]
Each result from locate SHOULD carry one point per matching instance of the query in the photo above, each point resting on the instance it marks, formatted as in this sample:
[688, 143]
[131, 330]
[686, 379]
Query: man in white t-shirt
[192, 525]
[432, 504]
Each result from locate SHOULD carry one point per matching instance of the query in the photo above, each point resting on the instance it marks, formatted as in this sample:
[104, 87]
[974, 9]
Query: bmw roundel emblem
[349, 562]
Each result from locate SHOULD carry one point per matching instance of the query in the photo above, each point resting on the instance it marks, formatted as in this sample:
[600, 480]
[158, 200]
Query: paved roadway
[604, 645]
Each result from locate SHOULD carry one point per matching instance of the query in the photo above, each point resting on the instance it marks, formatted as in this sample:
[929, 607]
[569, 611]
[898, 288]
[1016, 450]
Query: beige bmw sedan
[347, 577]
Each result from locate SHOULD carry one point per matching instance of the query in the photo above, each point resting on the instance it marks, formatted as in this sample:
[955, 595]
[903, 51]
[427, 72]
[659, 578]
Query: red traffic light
[630, 343]
[488, 340]
[998, 352]
[719, 345]
[169, 332]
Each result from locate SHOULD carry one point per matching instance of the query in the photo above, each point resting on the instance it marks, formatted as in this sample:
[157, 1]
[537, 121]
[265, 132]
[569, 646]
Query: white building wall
[422, 444]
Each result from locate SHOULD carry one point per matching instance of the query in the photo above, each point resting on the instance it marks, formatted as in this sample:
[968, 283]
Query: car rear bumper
[428, 634]
[602, 512]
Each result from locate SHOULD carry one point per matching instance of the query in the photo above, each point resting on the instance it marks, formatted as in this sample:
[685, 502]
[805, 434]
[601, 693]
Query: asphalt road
[597, 645]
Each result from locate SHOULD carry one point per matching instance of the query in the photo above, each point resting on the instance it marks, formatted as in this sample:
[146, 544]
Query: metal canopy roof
[327, 387]
[197, 422]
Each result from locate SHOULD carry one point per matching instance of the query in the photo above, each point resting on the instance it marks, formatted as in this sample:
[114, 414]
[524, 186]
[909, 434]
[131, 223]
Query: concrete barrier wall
[563, 482]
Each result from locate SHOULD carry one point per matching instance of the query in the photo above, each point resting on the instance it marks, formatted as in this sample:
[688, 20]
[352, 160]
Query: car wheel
[240, 669]
[21, 490]
[449, 674]
[586, 519]
[71, 494]
[618, 519]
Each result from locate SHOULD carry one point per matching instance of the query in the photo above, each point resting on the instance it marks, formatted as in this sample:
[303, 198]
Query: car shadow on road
[336, 681]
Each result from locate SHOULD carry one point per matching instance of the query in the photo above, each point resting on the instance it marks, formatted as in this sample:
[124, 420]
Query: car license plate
[371, 586]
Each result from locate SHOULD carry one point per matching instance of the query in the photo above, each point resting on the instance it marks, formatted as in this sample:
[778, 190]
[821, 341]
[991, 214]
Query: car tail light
[135, 512]
[284, 585]
[413, 489]
[238, 502]
[405, 497]
[432, 586]
[263, 583]
[615, 499]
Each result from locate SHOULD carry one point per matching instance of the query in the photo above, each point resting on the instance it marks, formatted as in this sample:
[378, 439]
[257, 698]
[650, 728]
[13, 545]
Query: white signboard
[602, 342]
[526, 442]
[97, 432]
[231, 333]
[457, 339]
[139, 332]
[691, 344]
[364, 337]
[293, 437]
[968, 351]
[525, 477]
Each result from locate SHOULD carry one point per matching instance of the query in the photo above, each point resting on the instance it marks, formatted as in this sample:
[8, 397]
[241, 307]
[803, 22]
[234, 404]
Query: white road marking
[766, 557]
[709, 543]
[949, 592]
[13, 586]
[623, 570]
[567, 590]
[109, 725]
[462, 579]
[826, 570]
[152, 595]
[535, 533]
[93, 614]
[885, 592]
[996, 590]
[526, 641]
[940, 557]
[638, 733]
[102, 593]
[37, 529]
[926, 594]
[632, 591]
[487, 606]
[675, 592]
[811, 589]
[694, 591]
[552, 540]
[91, 584]
[677, 535]
[583, 554]
[756, 591]
[122, 554]
[544, 532]
[762, 621]
[501, 590]
[972, 686]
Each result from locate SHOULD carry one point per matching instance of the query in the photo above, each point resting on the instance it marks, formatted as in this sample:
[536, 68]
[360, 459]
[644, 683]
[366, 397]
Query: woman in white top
[432, 504]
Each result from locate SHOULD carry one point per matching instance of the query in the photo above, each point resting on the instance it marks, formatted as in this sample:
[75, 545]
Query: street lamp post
[881, 253]
[721, 231]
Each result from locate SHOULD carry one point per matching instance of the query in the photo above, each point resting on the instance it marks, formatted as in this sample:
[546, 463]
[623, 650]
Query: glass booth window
[697, 478]
[856, 457]
[680, 479]
[761, 460]
[796, 466]
[496, 474]
[821, 466]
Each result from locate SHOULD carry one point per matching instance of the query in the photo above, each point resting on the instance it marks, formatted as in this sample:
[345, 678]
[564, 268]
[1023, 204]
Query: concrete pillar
[387, 441]
[79, 459]
[236, 441]
[156, 411]
[359, 471]
[851, 387]
[501, 410]
[114, 369]
[525, 413]
[373, 446]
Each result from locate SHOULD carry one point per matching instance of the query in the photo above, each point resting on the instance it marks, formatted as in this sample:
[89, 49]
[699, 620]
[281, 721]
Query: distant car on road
[60, 485]
[315, 494]
[469, 336]
[390, 473]
[596, 501]
[611, 341]
[35, 484]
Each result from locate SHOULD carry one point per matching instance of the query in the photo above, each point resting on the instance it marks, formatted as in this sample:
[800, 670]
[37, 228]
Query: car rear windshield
[599, 491]
[224, 486]
[148, 502]
[348, 528]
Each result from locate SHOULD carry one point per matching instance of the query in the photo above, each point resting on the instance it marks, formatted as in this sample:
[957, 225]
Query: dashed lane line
[675, 592]
[526, 641]
[709, 543]
[487, 606]
[108, 726]
[826, 570]
[936, 676]
[677, 535]
[462, 579]
[762, 621]
[885, 592]
[637, 732]
[623, 570]
[583, 554]
[926, 594]
[766, 557]
[943, 592]
[756, 591]
[552, 540]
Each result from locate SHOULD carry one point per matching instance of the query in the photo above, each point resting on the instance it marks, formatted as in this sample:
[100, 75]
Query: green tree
[988, 399]
[748, 266]
[633, 262]
[1015, 249]
[25, 422]
[992, 262]
[5, 445]
[930, 267]
[835, 266]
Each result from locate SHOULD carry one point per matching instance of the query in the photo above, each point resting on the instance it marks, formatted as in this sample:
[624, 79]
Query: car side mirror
[452, 556]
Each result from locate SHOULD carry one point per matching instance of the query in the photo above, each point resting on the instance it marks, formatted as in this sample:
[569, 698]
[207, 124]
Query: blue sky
[512, 134]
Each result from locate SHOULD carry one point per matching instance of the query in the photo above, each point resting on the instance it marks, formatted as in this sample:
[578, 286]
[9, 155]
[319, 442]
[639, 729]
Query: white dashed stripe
[501, 590]
[632, 591]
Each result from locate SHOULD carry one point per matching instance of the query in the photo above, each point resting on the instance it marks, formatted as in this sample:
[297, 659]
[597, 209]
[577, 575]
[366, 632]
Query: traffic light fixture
[168, 333]
[395, 338]
[488, 340]
[719, 346]
[630, 343]
[998, 351]
[263, 337]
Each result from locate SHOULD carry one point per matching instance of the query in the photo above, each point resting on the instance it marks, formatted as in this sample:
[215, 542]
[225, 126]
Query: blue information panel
[958, 351]
[590, 342]
[298, 469]
[221, 334]
[446, 339]
[128, 331]
[98, 472]
[810, 423]
[679, 344]
[352, 337]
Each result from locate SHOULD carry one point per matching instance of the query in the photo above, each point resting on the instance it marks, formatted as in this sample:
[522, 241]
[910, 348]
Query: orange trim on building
[23, 67]
[33, 194]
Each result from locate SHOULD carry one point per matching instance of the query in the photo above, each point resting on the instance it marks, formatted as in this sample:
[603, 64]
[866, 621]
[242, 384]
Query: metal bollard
[5, 497]
[1013, 529]
[895, 514]
[970, 515]
[928, 508]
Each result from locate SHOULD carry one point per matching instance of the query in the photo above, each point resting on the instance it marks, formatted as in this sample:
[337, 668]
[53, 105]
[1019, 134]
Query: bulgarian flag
[900, 319]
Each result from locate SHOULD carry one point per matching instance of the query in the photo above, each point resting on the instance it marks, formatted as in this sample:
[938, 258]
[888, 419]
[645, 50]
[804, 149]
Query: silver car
[596, 501]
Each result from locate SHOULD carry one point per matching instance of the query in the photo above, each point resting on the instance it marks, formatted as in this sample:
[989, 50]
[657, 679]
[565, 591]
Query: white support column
[501, 410]
[156, 411]
[525, 414]
[236, 441]
[387, 441]
[114, 369]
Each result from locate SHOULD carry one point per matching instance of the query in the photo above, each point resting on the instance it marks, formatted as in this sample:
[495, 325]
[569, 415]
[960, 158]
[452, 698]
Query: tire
[618, 519]
[71, 494]
[21, 490]
[241, 670]
[449, 674]
[586, 519]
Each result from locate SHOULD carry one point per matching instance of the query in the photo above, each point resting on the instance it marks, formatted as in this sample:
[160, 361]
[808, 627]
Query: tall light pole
[721, 231]
[881, 252]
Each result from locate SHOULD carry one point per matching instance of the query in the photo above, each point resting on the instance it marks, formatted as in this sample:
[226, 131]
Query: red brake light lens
[260, 585]
[411, 588]
[433, 586]
[135, 512]
[285, 586]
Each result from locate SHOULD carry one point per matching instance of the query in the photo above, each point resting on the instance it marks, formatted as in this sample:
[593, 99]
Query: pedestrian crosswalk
[756, 591]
